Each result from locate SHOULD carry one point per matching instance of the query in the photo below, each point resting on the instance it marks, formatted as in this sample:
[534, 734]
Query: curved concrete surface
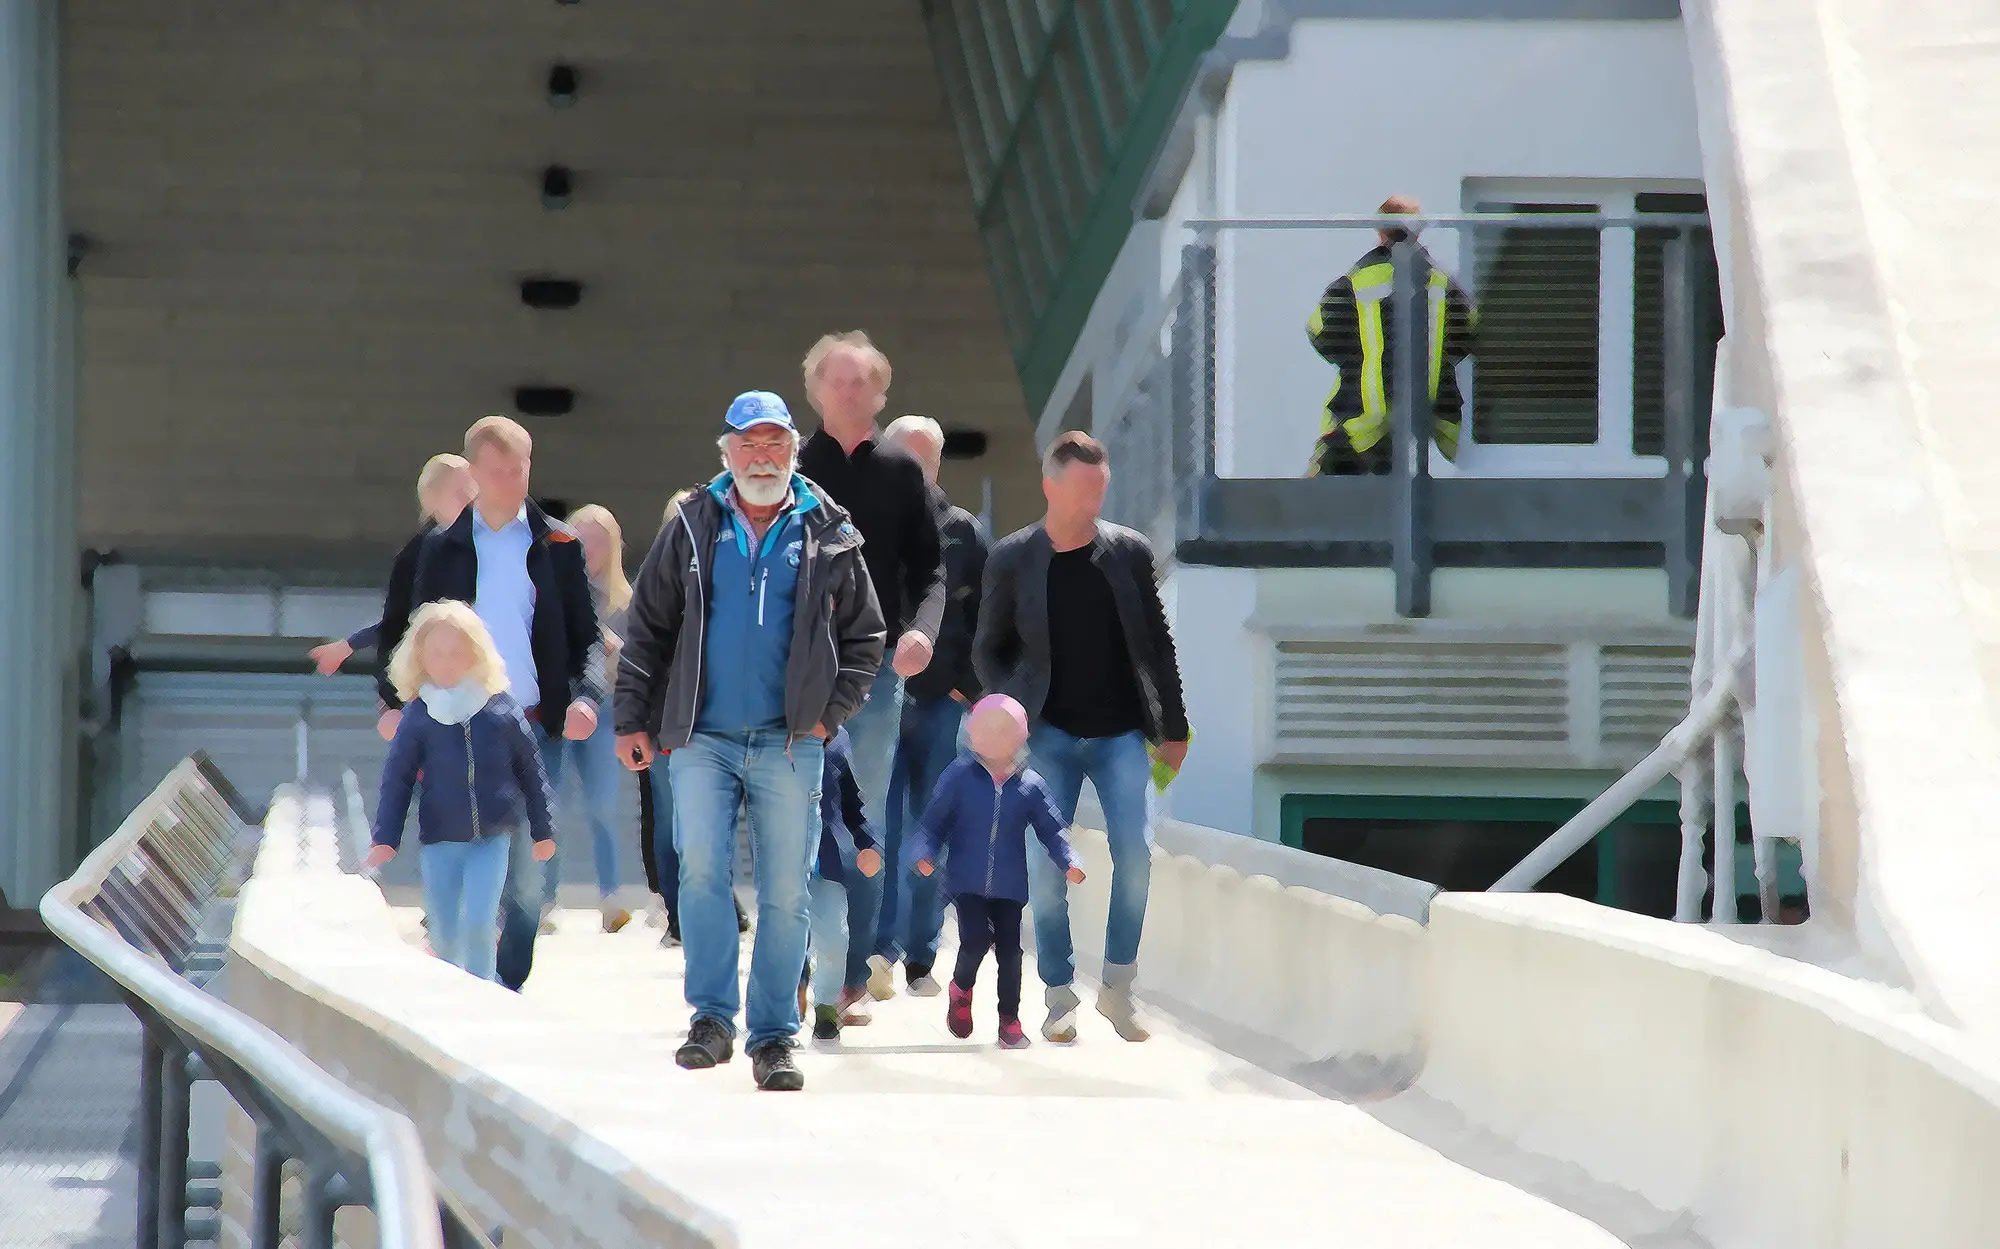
[1854, 161]
[906, 1135]
[1523, 1070]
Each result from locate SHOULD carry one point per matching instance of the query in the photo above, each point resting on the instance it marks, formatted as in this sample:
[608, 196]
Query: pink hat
[1001, 702]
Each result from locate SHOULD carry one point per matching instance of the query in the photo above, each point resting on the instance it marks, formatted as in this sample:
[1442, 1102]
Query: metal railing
[1585, 389]
[1707, 749]
[150, 908]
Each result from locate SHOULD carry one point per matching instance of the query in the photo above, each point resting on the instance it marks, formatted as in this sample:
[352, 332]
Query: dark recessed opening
[557, 184]
[964, 444]
[563, 80]
[544, 400]
[551, 292]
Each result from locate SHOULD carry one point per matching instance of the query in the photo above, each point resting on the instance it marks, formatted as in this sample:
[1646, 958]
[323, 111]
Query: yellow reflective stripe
[1374, 398]
[1315, 323]
[1437, 331]
[1447, 438]
[1372, 275]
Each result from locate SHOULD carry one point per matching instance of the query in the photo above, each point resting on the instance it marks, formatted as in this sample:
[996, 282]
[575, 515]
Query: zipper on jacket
[472, 781]
[763, 581]
[992, 837]
[701, 623]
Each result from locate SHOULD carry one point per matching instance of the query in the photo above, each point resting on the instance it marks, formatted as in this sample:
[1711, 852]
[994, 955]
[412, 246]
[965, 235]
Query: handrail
[1378, 221]
[1675, 749]
[261, 1069]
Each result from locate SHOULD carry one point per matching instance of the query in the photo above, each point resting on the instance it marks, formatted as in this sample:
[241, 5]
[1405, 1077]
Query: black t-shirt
[883, 488]
[1093, 691]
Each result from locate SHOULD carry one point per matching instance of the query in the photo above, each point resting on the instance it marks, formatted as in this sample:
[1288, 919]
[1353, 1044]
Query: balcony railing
[1586, 394]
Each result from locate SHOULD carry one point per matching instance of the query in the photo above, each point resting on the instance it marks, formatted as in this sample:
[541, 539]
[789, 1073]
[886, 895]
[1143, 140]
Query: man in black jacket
[934, 703]
[525, 576]
[1072, 626]
[883, 488]
[753, 634]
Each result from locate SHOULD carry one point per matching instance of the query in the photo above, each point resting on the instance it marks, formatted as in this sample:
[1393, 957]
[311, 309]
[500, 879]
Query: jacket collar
[804, 498]
[540, 525]
[824, 519]
[1048, 546]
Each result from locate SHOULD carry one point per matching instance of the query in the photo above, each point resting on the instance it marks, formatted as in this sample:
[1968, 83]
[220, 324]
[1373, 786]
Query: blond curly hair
[406, 666]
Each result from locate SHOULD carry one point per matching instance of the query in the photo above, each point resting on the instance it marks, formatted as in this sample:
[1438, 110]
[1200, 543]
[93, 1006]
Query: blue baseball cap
[758, 407]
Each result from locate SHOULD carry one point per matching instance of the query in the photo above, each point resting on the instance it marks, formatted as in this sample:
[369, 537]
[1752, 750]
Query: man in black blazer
[525, 575]
[1072, 626]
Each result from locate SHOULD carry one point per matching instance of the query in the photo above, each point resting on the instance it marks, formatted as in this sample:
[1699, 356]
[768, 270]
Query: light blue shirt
[505, 598]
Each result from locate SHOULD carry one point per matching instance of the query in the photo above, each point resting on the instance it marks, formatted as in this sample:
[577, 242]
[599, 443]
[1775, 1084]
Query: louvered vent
[1362, 700]
[1645, 694]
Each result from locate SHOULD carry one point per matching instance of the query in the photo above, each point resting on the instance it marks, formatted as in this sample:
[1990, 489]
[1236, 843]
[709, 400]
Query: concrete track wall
[1669, 1082]
[1859, 308]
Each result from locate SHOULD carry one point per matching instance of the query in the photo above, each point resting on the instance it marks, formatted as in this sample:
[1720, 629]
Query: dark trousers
[529, 886]
[656, 841]
[990, 923]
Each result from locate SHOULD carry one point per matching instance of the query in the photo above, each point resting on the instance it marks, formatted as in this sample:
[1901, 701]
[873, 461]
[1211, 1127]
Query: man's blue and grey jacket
[837, 633]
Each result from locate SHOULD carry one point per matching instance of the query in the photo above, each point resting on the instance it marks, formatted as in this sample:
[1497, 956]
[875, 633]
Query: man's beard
[759, 491]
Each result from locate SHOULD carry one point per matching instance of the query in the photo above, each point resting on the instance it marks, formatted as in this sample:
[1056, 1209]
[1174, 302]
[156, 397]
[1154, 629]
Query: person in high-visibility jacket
[1353, 329]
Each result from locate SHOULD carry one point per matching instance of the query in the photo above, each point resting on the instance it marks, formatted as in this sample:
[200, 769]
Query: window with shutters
[1569, 371]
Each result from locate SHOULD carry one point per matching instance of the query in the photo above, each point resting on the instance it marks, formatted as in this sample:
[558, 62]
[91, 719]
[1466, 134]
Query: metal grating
[1361, 699]
[1644, 693]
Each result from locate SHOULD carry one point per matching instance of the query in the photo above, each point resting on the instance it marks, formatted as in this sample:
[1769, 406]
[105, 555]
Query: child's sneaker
[1011, 1035]
[920, 980]
[614, 917]
[826, 1023]
[958, 1015]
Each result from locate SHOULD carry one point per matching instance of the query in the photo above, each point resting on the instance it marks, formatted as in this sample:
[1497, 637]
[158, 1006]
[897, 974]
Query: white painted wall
[1225, 678]
[1370, 108]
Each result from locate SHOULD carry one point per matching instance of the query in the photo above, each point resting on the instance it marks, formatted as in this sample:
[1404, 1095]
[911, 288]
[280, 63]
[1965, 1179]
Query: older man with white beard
[785, 643]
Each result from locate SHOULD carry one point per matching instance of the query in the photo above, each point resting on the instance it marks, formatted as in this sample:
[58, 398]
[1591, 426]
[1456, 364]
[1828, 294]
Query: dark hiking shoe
[826, 1023]
[772, 1067]
[709, 1044]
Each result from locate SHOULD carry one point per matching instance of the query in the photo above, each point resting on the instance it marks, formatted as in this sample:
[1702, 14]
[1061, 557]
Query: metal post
[1723, 911]
[321, 1205]
[303, 739]
[1685, 484]
[1693, 881]
[38, 577]
[267, 1192]
[1410, 419]
[173, 1146]
[151, 1057]
[1192, 404]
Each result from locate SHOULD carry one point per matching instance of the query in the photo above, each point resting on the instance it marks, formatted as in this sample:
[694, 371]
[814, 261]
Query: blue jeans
[462, 883]
[829, 940]
[595, 759]
[913, 905]
[713, 775]
[530, 885]
[871, 736]
[1122, 773]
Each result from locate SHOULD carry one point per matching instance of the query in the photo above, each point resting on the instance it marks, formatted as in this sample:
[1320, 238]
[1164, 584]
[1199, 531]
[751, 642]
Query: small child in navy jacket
[483, 780]
[842, 824]
[982, 810]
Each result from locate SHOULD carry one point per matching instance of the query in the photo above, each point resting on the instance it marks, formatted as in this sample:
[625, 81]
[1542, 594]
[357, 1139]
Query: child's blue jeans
[462, 884]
